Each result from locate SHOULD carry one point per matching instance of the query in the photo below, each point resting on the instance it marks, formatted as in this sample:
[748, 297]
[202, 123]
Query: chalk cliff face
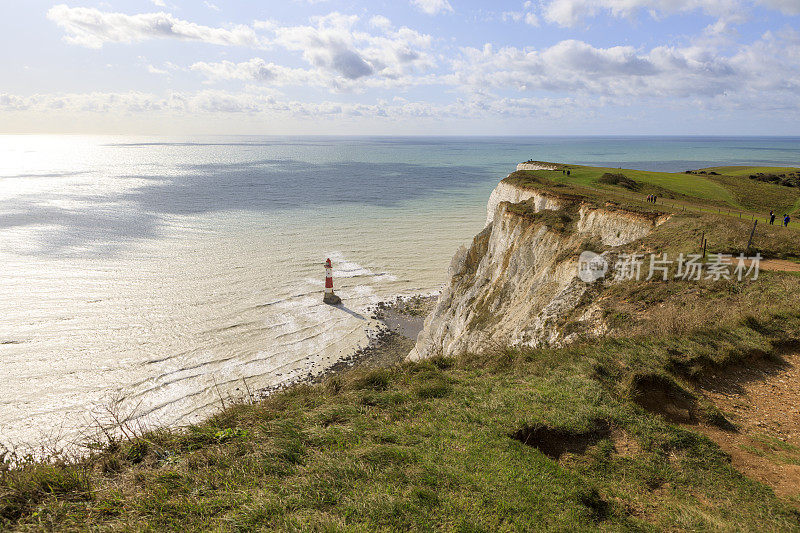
[537, 166]
[505, 192]
[517, 283]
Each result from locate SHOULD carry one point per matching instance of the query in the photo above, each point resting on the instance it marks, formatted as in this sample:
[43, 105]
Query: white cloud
[562, 80]
[269, 104]
[333, 44]
[573, 12]
[531, 19]
[767, 70]
[787, 7]
[379, 21]
[256, 70]
[93, 28]
[159, 3]
[527, 15]
[211, 6]
[433, 7]
[339, 52]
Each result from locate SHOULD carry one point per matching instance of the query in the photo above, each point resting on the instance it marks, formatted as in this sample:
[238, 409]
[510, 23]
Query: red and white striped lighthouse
[329, 297]
[328, 277]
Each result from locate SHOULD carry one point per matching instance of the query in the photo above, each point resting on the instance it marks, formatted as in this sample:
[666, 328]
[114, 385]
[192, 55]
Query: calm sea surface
[160, 274]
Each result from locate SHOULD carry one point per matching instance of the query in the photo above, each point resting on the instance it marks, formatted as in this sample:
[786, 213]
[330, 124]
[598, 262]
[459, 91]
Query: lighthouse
[330, 298]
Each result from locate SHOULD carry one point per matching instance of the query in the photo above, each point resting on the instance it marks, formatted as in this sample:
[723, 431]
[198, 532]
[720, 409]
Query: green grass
[758, 196]
[685, 184]
[731, 189]
[422, 446]
[747, 170]
[774, 449]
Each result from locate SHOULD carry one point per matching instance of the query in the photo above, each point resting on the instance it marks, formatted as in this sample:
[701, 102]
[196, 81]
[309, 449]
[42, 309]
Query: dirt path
[781, 265]
[763, 400]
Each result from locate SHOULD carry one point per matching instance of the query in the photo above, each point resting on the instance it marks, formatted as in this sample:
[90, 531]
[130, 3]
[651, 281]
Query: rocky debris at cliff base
[401, 321]
[405, 315]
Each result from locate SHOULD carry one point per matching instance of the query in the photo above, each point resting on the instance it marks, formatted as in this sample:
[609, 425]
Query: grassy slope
[731, 189]
[423, 446]
[686, 184]
[428, 445]
[746, 171]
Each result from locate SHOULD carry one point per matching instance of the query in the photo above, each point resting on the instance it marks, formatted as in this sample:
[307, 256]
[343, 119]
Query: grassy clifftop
[518, 440]
[727, 188]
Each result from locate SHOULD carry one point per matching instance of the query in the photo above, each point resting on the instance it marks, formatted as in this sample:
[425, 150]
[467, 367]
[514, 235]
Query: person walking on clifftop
[772, 218]
[786, 220]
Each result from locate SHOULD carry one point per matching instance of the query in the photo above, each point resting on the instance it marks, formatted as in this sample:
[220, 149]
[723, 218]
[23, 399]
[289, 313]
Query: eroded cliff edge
[518, 284]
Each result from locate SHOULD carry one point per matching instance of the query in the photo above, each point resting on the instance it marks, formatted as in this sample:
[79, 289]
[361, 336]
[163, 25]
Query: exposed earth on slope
[762, 399]
[779, 265]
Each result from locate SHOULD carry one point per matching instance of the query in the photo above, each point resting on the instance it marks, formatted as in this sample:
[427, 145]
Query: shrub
[620, 180]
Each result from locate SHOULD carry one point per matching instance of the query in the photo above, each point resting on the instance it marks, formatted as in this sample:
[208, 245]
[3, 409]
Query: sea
[154, 279]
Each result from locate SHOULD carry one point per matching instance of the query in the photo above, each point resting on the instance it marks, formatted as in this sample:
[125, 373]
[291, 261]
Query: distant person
[772, 218]
[786, 221]
[567, 172]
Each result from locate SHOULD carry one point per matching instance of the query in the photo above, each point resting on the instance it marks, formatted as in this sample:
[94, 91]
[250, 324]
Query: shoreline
[402, 319]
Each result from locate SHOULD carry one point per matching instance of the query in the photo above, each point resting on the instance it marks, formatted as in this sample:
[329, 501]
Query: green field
[730, 189]
[746, 171]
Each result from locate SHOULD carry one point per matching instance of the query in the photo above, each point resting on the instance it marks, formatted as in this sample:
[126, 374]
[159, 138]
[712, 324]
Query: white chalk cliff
[517, 284]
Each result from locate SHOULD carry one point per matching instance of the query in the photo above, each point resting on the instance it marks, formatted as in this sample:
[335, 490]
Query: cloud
[787, 7]
[433, 7]
[93, 28]
[767, 70]
[381, 22]
[340, 53]
[333, 44]
[570, 13]
[526, 15]
[268, 104]
[256, 70]
[329, 44]
[211, 6]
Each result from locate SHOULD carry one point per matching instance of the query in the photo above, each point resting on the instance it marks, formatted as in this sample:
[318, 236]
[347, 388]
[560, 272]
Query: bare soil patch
[762, 399]
[554, 442]
[780, 265]
[659, 395]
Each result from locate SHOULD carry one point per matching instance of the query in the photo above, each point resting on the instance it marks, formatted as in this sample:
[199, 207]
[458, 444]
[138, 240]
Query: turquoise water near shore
[161, 274]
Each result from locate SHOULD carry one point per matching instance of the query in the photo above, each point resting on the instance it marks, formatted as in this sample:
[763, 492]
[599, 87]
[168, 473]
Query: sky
[401, 67]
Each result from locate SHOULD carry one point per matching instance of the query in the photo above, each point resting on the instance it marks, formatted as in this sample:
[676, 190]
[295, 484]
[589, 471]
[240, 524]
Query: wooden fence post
[750, 240]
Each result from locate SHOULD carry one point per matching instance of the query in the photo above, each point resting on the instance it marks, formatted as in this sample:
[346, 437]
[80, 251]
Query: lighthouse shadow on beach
[342, 307]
